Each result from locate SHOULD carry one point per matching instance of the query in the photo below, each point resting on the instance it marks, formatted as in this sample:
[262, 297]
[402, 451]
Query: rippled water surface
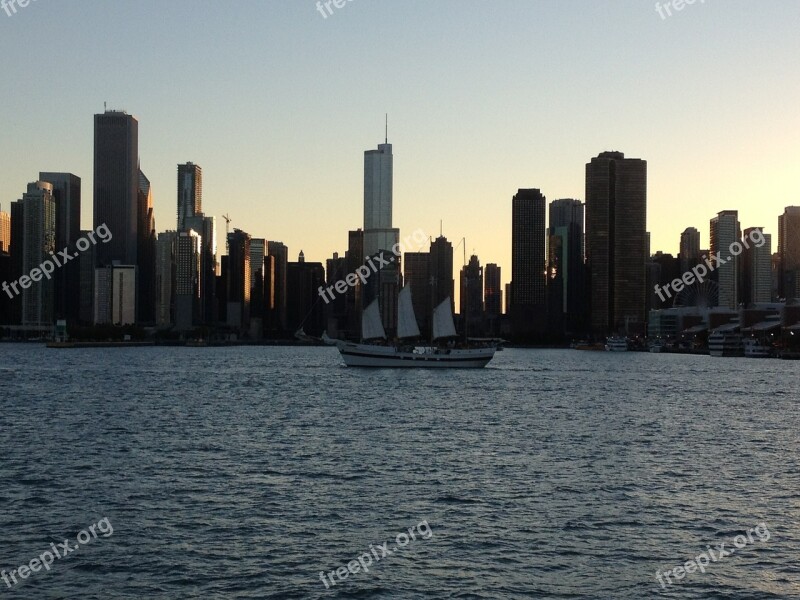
[245, 472]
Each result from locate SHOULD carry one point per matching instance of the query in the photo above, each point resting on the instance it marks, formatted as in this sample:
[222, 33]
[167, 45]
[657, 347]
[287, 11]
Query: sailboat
[375, 351]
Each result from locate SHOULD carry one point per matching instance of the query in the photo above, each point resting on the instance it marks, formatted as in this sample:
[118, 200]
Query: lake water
[245, 472]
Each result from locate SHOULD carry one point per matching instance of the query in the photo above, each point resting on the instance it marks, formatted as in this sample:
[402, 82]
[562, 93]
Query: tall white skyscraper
[378, 189]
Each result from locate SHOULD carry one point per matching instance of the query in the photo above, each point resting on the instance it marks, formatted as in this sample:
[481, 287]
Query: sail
[406, 320]
[443, 326]
[371, 324]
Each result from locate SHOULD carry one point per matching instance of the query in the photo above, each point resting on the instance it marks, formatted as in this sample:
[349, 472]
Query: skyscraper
[165, 278]
[493, 298]
[116, 185]
[86, 267]
[5, 232]
[39, 241]
[190, 193]
[756, 268]
[67, 196]
[17, 253]
[566, 268]
[528, 277]
[355, 259]
[238, 281]
[472, 308]
[277, 320]
[725, 231]
[689, 250]
[305, 310]
[115, 295]
[379, 235]
[616, 242]
[378, 197]
[258, 252]
[188, 250]
[145, 253]
[417, 274]
[789, 250]
[207, 228]
[441, 269]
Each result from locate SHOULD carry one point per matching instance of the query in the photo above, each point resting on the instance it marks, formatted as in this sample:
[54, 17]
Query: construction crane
[227, 232]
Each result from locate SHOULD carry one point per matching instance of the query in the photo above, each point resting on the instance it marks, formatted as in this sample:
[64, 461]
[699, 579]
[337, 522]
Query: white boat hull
[368, 355]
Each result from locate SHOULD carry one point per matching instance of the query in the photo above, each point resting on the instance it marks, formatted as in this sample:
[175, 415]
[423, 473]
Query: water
[245, 472]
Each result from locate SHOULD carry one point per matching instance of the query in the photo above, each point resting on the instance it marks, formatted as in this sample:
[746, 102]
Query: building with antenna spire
[379, 235]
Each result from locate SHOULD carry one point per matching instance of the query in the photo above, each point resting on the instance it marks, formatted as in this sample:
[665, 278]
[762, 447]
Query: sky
[277, 105]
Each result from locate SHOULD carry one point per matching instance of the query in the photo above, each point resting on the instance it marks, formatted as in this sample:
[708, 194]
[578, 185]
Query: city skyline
[724, 147]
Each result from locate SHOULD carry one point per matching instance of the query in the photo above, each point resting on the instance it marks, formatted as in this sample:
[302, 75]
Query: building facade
[116, 185]
[528, 263]
[616, 243]
[725, 231]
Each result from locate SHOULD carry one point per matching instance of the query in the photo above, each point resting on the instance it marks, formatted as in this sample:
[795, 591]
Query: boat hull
[366, 355]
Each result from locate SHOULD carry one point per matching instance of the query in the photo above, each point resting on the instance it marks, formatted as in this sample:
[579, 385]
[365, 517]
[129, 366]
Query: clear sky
[278, 104]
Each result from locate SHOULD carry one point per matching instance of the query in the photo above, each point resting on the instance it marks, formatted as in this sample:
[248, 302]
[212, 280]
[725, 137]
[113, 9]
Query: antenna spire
[387, 128]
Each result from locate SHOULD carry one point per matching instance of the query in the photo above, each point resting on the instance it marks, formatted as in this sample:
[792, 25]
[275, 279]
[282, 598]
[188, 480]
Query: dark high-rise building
[493, 298]
[528, 276]
[616, 244]
[165, 278]
[567, 306]
[5, 299]
[187, 291]
[146, 253]
[441, 270]
[67, 196]
[278, 318]
[207, 228]
[305, 309]
[39, 242]
[690, 249]
[789, 250]
[336, 307]
[258, 251]
[472, 297]
[190, 193]
[86, 264]
[755, 269]
[238, 281]
[663, 270]
[116, 185]
[17, 250]
[417, 267]
[355, 259]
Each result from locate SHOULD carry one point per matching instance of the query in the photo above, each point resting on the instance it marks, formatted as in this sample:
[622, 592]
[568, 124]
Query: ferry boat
[657, 346]
[375, 351]
[725, 343]
[755, 349]
[617, 344]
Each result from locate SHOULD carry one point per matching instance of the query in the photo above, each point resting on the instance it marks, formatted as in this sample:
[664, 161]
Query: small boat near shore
[616, 344]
